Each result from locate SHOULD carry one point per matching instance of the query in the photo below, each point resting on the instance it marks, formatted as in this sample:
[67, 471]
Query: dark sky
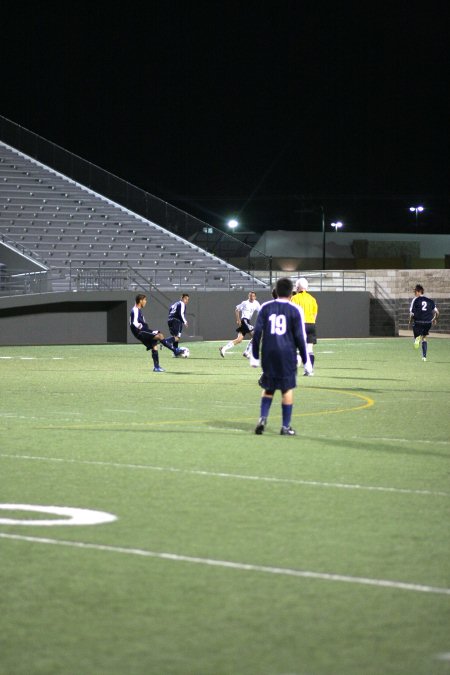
[257, 108]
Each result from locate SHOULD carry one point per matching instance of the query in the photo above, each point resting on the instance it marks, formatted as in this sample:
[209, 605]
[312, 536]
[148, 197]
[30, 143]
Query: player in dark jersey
[424, 313]
[177, 319]
[149, 337]
[280, 330]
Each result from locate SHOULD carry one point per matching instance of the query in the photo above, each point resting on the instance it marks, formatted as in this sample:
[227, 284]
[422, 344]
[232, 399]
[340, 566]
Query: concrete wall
[98, 318]
[292, 251]
[391, 294]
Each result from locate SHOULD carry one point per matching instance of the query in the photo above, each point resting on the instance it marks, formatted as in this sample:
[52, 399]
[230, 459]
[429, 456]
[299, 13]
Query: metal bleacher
[90, 242]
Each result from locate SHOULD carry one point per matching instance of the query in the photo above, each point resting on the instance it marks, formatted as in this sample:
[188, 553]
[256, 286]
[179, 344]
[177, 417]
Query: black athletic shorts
[421, 329]
[245, 328]
[310, 330]
[175, 327]
[282, 383]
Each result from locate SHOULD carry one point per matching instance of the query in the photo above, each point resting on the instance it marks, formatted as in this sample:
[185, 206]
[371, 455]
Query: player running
[424, 312]
[244, 313]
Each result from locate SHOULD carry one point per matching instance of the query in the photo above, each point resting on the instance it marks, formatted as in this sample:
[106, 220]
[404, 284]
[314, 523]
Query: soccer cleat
[221, 352]
[260, 426]
[178, 352]
[417, 342]
[246, 355]
[308, 374]
[424, 358]
[158, 369]
[287, 431]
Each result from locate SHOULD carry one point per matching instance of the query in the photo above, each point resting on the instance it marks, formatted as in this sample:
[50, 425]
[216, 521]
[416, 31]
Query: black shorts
[282, 383]
[245, 328]
[421, 329]
[147, 337]
[310, 330]
[175, 327]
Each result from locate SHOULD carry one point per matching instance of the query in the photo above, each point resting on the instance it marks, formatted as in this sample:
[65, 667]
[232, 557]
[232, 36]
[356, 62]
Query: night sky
[257, 109]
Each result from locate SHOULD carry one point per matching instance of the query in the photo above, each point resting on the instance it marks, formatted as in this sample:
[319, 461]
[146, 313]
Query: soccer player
[424, 313]
[177, 320]
[309, 305]
[243, 312]
[150, 338]
[280, 327]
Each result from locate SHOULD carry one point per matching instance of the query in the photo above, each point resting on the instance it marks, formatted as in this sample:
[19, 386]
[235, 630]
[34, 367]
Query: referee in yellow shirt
[309, 305]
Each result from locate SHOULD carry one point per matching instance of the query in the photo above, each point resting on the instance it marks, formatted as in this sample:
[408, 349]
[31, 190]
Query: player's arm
[182, 312]
[237, 313]
[411, 312]
[300, 339]
[436, 316]
[256, 340]
[136, 323]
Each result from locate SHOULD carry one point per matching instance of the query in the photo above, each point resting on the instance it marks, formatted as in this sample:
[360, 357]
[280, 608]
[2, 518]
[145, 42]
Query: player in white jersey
[244, 313]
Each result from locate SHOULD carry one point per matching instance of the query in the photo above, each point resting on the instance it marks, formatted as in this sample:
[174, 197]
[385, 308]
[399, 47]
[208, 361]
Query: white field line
[283, 571]
[236, 476]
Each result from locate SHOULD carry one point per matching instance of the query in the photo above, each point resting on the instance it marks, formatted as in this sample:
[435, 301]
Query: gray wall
[101, 317]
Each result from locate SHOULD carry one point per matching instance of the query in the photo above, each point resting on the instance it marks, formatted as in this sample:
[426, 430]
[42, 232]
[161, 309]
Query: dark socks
[266, 402]
[286, 411]
[155, 357]
[311, 358]
[167, 343]
[424, 348]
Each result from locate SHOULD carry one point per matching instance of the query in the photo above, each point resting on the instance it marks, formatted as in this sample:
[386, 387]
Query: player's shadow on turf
[372, 379]
[373, 446]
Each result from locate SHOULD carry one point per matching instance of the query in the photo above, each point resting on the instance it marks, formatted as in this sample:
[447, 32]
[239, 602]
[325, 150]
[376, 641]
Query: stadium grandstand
[80, 239]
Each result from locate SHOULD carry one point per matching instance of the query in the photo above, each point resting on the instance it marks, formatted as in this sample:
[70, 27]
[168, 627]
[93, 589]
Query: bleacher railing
[133, 198]
[325, 280]
[18, 282]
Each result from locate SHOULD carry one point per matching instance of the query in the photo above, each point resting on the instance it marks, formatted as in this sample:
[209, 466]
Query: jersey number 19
[277, 324]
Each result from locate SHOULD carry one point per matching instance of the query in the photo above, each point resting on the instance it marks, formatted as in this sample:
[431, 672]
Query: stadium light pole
[323, 237]
[416, 210]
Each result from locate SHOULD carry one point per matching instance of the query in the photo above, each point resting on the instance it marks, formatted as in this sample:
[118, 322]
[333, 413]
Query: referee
[310, 308]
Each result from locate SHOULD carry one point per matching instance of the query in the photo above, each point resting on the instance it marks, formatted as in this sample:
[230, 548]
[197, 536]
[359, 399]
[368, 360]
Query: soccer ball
[185, 353]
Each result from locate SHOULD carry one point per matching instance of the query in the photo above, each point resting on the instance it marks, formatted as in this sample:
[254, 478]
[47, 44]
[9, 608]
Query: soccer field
[226, 553]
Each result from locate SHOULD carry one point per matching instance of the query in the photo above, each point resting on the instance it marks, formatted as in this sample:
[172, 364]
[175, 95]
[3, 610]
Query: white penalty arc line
[246, 567]
[236, 476]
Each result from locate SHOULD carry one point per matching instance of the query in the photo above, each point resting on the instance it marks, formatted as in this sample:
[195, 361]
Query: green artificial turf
[326, 553]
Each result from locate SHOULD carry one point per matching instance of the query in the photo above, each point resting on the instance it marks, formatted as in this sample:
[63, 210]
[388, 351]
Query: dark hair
[274, 293]
[139, 297]
[284, 287]
[184, 295]
[419, 288]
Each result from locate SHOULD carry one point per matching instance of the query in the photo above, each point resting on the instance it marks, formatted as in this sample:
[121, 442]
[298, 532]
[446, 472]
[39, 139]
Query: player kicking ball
[149, 338]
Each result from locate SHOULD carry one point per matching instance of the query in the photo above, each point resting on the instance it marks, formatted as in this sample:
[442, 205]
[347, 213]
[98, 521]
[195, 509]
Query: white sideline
[283, 571]
[215, 474]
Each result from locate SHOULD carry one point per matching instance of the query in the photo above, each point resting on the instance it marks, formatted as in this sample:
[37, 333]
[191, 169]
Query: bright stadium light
[416, 210]
[232, 224]
[337, 226]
